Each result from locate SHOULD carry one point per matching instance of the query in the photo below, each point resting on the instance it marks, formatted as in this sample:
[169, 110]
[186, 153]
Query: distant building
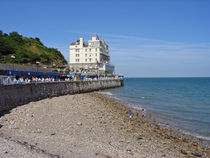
[90, 58]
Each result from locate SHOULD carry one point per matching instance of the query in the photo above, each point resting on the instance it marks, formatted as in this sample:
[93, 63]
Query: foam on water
[106, 93]
[196, 135]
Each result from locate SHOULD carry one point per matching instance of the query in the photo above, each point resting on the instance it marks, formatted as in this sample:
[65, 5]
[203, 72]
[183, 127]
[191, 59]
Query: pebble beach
[89, 125]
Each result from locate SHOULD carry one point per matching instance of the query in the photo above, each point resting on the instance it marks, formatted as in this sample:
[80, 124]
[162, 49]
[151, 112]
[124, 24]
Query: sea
[180, 103]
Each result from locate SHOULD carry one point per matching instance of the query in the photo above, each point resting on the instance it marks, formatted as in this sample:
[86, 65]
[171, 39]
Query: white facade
[90, 57]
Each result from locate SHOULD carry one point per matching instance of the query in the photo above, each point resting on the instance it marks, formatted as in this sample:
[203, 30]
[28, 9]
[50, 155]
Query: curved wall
[19, 94]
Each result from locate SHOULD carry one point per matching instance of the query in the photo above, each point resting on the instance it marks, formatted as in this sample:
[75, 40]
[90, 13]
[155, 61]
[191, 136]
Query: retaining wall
[19, 94]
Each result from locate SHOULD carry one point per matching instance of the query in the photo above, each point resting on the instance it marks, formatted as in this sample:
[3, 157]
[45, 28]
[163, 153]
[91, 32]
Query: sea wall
[19, 94]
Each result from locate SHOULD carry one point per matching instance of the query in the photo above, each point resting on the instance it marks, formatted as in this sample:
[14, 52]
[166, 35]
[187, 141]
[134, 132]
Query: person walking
[130, 114]
[143, 113]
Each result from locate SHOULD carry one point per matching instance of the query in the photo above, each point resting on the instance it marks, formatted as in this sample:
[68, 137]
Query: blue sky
[146, 38]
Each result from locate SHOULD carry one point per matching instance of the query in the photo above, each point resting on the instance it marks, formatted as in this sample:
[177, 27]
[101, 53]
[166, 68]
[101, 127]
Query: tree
[38, 40]
[1, 33]
[106, 72]
[15, 36]
[5, 35]
[5, 47]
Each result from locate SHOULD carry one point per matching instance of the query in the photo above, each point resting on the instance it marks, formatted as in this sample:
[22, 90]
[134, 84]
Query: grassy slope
[27, 51]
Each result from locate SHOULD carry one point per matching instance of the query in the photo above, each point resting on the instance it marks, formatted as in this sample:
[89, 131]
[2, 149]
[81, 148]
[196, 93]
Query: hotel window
[77, 60]
[90, 55]
[96, 54]
[90, 49]
[77, 55]
[90, 60]
[86, 50]
[96, 49]
[85, 60]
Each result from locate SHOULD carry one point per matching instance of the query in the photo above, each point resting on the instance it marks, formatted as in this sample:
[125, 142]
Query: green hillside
[27, 51]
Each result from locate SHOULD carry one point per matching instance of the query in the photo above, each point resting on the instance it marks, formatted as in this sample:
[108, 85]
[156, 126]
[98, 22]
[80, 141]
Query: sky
[146, 38]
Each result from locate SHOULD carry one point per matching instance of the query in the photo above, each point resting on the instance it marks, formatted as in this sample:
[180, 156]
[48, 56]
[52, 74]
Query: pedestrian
[143, 113]
[130, 114]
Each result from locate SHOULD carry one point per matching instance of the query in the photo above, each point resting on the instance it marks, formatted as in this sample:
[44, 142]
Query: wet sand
[88, 126]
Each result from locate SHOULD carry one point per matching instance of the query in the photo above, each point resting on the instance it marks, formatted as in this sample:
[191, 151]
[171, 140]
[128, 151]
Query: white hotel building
[90, 58]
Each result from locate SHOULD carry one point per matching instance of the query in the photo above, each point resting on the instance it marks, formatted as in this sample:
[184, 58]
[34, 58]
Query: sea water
[183, 103]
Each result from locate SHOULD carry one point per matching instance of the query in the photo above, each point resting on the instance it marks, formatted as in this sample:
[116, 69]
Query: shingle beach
[88, 126]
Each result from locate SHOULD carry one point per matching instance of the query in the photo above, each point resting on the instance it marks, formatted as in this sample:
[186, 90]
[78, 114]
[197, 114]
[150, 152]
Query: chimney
[95, 37]
[81, 42]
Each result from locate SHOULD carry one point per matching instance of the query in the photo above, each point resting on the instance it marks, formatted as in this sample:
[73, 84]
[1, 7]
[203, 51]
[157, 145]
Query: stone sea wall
[19, 94]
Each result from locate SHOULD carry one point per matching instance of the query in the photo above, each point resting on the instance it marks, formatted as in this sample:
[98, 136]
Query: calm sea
[183, 103]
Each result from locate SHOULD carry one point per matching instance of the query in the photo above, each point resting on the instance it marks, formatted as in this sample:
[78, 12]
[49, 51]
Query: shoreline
[154, 119]
[92, 125]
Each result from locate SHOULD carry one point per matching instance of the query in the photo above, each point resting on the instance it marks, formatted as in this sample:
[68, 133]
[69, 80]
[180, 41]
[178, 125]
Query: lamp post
[13, 58]
[37, 63]
[97, 68]
[105, 63]
[54, 67]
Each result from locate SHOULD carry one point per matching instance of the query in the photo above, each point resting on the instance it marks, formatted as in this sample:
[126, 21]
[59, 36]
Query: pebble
[39, 131]
[195, 144]
[140, 138]
[196, 154]
[129, 150]
[185, 140]
[167, 137]
[131, 153]
[4, 119]
[14, 127]
[184, 151]
[79, 123]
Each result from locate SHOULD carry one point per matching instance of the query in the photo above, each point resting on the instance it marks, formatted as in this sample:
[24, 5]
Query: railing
[12, 80]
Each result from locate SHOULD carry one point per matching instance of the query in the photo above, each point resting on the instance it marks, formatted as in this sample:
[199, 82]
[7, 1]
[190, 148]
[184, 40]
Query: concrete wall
[19, 94]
